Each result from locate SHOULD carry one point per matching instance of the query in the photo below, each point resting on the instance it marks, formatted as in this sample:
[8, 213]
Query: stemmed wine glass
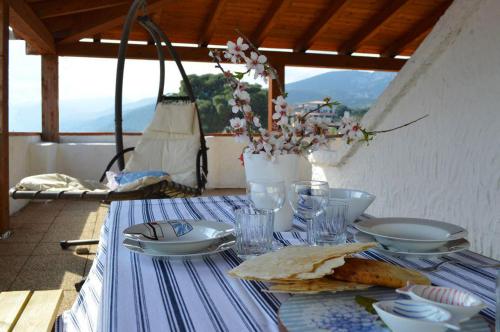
[266, 195]
[307, 199]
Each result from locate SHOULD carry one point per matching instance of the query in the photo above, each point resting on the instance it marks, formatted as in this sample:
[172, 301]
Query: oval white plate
[179, 236]
[448, 248]
[411, 234]
[221, 245]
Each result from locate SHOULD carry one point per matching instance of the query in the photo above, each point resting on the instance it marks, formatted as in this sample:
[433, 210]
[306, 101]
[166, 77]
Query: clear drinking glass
[307, 198]
[331, 223]
[266, 195]
[254, 231]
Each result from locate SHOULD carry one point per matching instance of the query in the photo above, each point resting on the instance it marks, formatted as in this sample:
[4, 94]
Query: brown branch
[395, 128]
[256, 50]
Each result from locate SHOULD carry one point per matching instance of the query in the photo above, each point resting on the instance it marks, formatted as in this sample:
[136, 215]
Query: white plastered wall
[446, 167]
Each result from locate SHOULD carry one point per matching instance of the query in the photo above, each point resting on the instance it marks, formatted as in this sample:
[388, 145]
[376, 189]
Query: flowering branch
[297, 132]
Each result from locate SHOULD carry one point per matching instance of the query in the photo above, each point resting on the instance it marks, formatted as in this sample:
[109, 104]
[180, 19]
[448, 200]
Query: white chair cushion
[163, 148]
[175, 118]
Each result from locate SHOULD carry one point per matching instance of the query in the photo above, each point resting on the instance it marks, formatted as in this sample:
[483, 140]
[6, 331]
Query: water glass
[266, 195]
[307, 199]
[331, 223]
[254, 231]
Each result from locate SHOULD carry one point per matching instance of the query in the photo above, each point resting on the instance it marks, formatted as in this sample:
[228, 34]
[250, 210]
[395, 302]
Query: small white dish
[357, 201]
[219, 246]
[460, 304]
[414, 316]
[178, 236]
[411, 234]
[448, 248]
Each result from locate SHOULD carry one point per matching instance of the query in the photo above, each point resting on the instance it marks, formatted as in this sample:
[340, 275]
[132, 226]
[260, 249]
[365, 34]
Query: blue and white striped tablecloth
[129, 292]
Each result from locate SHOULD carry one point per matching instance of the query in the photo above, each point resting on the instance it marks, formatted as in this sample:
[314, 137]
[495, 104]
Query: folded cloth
[127, 181]
[56, 182]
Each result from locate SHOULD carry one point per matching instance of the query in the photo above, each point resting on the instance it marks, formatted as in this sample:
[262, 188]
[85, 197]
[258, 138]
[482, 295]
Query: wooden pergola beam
[90, 24]
[273, 92]
[4, 118]
[200, 54]
[56, 8]
[371, 27]
[421, 28]
[50, 98]
[214, 12]
[267, 22]
[30, 28]
[316, 29]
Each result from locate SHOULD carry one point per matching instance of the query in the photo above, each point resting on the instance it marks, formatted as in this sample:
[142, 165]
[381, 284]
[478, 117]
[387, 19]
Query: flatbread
[371, 272]
[296, 262]
[325, 284]
[321, 270]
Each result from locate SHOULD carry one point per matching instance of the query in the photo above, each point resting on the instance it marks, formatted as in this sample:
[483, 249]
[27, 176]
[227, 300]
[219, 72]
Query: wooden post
[273, 92]
[4, 119]
[50, 98]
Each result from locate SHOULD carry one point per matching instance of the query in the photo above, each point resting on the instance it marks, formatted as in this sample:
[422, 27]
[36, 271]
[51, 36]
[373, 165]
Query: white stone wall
[87, 156]
[446, 167]
[19, 163]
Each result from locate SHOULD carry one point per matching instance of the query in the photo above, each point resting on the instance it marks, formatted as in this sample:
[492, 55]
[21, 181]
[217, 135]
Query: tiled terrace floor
[31, 259]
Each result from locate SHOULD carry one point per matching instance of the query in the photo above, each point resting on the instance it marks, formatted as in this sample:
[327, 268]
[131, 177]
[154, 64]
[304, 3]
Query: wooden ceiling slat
[28, 26]
[56, 8]
[267, 22]
[372, 26]
[366, 26]
[89, 24]
[214, 13]
[312, 32]
[421, 28]
[200, 54]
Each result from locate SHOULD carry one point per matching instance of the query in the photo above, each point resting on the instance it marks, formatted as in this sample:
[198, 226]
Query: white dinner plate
[411, 234]
[178, 236]
[448, 248]
[220, 245]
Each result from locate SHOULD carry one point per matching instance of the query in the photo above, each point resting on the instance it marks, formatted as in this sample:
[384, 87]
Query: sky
[84, 78]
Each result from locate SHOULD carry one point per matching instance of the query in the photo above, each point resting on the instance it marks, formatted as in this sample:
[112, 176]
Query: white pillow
[175, 118]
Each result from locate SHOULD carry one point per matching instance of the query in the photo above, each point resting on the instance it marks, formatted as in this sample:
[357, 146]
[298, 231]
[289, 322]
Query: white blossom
[256, 62]
[236, 51]
[349, 128]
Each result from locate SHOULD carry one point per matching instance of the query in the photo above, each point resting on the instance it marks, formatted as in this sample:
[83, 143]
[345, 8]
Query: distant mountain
[136, 116]
[355, 89]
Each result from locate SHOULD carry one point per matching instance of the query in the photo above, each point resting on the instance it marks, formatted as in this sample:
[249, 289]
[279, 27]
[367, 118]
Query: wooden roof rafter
[312, 32]
[200, 54]
[56, 8]
[89, 24]
[28, 26]
[421, 28]
[214, 13]
[373, 26]
[267, 22]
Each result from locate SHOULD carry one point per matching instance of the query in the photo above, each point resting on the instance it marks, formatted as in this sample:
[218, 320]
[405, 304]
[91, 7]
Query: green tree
[212, 96]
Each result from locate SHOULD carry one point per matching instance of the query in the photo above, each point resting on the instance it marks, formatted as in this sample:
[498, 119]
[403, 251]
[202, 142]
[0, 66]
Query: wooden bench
[29, 311]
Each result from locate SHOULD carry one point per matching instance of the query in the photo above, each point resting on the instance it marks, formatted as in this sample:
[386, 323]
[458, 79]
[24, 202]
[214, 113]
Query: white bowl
[460, 304]
[414, 316]
[357, 201]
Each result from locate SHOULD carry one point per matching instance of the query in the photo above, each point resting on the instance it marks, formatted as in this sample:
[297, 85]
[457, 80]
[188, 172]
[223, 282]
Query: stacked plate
[412, 236]
[179, 238]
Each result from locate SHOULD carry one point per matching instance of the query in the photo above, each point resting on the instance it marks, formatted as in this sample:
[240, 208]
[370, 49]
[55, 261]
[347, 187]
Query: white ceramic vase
[283, 168]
